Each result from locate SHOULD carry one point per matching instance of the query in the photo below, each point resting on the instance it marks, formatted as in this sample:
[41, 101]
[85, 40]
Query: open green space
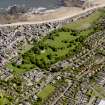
[57, 45]
[44, 94]
[86, 21]
[20, 69]
[99, 91]
[3, 100]
[26, 48]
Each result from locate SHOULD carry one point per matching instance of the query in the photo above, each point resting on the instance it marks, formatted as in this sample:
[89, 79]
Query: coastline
[54, 15]
[64, 12]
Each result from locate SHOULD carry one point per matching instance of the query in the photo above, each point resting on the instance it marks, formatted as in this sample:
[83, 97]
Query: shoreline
[49, 4]
[58, 14]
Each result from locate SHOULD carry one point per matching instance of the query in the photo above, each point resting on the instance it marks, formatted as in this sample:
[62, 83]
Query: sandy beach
[62, 12]
[53, 15]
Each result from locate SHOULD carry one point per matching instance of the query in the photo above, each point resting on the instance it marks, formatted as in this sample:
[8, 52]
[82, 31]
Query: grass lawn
[86, 21]
[99, 91]
[58, 45]
[21, 69]
[3, 101]
[45, 92]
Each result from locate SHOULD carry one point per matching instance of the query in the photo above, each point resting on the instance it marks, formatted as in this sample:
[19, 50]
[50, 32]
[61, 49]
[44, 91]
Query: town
[58, 62]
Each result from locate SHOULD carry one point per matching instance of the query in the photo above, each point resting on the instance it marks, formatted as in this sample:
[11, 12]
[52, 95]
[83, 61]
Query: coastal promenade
[76, 12]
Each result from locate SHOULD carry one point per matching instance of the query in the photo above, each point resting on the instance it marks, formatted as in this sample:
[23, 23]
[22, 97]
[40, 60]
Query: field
[85, 22]
[99, 91]
[3, 100]
[58, 45]
[43, 95]
[46, 92]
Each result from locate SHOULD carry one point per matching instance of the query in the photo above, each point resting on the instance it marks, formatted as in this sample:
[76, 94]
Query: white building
[102, 102]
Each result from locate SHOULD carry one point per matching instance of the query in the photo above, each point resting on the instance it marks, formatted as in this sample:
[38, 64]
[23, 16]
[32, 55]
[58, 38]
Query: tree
[49, 56]
[74, 32]
[36, 50]
[64, 29]
[80, 39]
[13, 64]
[32, 58]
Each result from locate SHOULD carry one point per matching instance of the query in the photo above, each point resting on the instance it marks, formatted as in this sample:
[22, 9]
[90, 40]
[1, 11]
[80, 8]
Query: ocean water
[48, 4]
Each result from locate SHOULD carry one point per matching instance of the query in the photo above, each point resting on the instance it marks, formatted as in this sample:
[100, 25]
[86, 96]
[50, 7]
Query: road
[61, 94]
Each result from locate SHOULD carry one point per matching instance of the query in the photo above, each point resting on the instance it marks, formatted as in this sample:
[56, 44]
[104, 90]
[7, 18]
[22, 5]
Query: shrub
[75, 32]
[49, 56]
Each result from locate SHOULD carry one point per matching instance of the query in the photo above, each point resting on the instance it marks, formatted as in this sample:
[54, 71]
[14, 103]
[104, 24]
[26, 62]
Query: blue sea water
[48, 4]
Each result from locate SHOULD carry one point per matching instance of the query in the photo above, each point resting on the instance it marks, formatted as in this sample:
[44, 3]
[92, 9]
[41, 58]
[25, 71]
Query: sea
[48, 4]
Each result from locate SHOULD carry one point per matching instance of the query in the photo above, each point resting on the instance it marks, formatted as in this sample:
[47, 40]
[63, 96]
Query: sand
[62, 12]
[58, 14]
